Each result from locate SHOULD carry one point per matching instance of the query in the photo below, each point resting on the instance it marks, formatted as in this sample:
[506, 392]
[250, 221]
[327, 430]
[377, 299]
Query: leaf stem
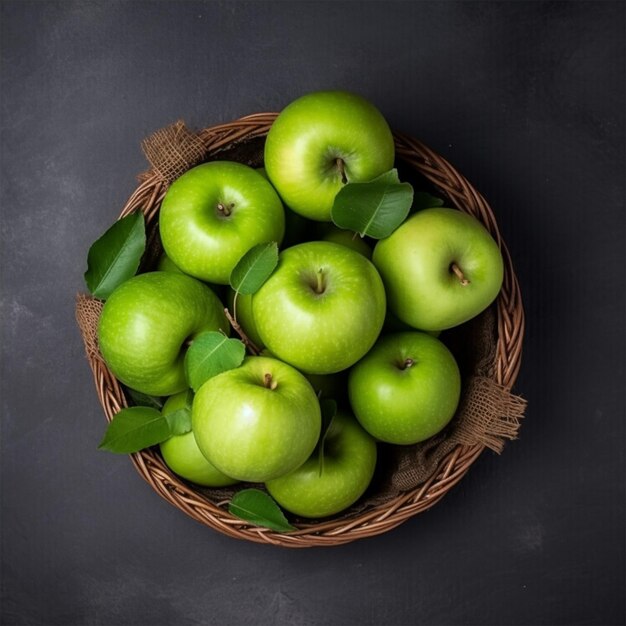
[235, 304]
[250, 345]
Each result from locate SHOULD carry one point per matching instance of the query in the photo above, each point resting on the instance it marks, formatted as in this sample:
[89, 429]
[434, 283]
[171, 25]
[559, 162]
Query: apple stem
[269, 382]
[458, 272]
[225, 209]
[250, 345]
[408, 363]
[342, 170]
[319, 285]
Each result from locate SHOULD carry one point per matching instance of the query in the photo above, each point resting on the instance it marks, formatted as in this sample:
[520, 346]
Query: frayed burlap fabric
[173, 150]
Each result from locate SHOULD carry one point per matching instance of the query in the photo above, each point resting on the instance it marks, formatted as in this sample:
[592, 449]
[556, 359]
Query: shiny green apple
[182, 455]
[347, 470]
[440, 268]
[321, 141]
[322, 309]
[214, 213]
[146, 324]
[406, 389]
[258, 421]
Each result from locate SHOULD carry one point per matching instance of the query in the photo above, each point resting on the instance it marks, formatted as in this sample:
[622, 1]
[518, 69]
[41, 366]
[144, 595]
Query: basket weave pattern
[510, 329]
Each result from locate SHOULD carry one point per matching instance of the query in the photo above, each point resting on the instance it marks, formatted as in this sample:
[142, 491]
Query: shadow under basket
[409, 479]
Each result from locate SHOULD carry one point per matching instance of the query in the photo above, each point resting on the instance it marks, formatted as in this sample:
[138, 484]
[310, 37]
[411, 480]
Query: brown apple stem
[408, 363]
[269, 382]
[225, 209]
[342, 170]
[458, 272]
[252, 348]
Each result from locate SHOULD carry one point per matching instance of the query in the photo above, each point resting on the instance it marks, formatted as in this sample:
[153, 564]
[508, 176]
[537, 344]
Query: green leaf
[210, 354]
[134, 429]
[179, 421]
[115, 257]
[423, 200]
[260, 509]
[328, 407]
[375, 208]
[142, 399]
[254, 268]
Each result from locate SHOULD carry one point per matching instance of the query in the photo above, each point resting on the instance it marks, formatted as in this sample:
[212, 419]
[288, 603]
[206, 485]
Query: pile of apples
[338, 310]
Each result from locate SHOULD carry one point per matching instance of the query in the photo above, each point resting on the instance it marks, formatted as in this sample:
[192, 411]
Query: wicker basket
[413, 156]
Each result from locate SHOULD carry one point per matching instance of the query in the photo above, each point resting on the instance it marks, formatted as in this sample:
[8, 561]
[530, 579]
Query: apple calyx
[269, 382]
[458, 272]
[224, 209]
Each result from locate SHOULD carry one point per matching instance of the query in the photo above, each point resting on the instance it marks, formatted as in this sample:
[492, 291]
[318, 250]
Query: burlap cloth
[488, 414]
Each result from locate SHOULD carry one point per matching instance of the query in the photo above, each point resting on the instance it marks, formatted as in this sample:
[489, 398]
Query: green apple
[348, 238]
[321, 141]
[146, 324]
[440, 268]
[166, 264]
[182, 455]
[347, 470]
[258, 421]
[406, 389]
[214, 213]
[322, 309]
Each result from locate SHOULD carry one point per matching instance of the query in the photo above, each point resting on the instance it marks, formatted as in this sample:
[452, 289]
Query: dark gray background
[525, 98]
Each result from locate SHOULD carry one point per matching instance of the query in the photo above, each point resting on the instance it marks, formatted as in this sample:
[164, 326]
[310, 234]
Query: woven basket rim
[510, 331]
